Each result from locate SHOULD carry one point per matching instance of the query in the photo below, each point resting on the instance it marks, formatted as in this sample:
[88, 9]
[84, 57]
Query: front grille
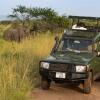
[62, 67]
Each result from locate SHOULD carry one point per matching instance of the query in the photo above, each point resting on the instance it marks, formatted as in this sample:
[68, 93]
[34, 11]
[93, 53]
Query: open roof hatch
[95, 27]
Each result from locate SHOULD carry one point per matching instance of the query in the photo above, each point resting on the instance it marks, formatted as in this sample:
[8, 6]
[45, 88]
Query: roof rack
[89, 30]
[84, 17]
[79, 18]
[80, 33]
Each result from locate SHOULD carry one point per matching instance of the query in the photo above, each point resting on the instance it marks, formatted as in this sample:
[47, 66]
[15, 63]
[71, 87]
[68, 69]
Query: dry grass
[3, 28]
[19, 65]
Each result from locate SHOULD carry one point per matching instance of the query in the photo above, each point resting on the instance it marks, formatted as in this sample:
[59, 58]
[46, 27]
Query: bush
[43, 26]
[16, 34]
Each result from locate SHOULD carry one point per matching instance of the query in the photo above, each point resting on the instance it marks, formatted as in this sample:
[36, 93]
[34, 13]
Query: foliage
[25, 16]
[23, 13]
[20, 13]
[3, 28]
[16, 33]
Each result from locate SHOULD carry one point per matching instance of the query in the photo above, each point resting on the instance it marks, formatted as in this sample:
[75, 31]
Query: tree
[20, 13]
[26, 16]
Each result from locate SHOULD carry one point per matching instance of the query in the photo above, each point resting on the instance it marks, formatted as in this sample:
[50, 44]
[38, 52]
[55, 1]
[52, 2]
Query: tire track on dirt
[66, 92]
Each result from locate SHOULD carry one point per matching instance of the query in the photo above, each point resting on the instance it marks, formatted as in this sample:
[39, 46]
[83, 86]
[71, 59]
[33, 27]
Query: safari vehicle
[74, 58]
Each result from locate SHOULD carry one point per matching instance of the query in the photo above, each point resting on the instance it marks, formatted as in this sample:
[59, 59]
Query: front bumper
[70, 76]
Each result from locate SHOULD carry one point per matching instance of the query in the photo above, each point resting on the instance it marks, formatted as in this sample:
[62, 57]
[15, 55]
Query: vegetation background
[24, 41]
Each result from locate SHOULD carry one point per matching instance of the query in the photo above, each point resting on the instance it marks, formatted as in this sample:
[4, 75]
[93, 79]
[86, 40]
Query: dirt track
[66, 92]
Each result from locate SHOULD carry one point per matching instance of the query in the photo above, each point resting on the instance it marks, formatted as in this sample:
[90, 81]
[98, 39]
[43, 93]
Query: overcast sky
[69, 7]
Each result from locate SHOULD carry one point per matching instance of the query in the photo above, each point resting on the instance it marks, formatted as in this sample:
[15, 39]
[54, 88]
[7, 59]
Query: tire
[87, 84]
[45, 84]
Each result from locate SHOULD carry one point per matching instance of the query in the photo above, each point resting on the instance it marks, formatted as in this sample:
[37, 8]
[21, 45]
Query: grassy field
[19, 65]
[3, 28]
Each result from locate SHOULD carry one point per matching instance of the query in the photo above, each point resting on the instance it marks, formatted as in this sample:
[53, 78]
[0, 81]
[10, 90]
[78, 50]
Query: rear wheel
[45, 84]
[87, 84]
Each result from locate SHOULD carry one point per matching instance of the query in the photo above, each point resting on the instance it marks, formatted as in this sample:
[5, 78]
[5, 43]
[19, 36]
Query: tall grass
[19, 65]
[3, 28]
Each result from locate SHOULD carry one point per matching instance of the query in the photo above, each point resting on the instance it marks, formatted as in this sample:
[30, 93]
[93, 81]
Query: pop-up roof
[82, 34]
[84, 17]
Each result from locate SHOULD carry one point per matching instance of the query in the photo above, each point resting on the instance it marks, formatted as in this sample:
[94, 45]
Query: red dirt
[66, 92]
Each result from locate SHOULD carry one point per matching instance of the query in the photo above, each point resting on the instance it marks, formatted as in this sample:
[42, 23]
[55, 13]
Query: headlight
[45, 65]
[80, 68]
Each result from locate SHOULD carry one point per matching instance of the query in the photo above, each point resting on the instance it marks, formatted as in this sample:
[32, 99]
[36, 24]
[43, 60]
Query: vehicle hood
[71, 57]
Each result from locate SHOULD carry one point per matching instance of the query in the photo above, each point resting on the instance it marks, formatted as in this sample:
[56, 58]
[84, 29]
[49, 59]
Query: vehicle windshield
[75, 45]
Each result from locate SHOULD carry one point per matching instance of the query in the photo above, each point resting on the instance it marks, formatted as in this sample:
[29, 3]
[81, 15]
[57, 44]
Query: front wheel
[87, 84]
[45, 84]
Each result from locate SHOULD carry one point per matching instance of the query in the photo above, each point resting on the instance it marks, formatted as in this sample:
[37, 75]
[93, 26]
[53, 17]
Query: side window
[90, 47]
[98, 46]
[95, 46]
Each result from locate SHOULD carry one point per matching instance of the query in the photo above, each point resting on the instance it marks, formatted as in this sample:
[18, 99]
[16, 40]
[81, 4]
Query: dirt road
[66, 92]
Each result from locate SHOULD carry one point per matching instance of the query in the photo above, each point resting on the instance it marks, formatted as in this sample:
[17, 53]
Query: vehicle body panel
[73, 59]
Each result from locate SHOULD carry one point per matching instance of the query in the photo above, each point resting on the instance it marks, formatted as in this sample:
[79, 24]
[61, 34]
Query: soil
[66, 92]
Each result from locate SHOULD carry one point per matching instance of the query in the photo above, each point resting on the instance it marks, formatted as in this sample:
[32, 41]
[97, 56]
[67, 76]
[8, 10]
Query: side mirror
[56, 43]
[56, 38]
[98, 54]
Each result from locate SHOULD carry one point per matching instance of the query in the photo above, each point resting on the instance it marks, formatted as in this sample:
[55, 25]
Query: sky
[66, 7]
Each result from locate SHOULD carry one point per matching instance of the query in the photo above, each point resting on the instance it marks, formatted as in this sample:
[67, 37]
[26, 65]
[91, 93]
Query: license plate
[60, 75]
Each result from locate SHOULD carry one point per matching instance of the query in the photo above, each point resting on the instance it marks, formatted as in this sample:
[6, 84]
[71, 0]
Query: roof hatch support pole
[97, 24]
[72, 23]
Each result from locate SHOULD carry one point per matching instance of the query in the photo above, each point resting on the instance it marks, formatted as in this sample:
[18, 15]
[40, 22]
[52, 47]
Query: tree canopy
[45, 15]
